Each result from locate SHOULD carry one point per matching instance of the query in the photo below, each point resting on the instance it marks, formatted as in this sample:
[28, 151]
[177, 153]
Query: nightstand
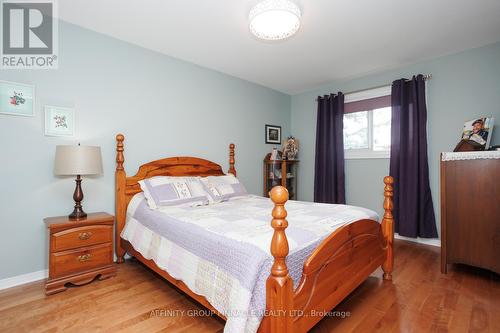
[79, 250]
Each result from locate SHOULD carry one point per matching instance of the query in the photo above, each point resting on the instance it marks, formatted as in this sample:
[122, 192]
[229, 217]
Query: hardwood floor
[420, 299]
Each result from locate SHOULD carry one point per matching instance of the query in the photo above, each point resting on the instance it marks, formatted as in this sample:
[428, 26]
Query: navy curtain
[329, 183]
[413, 209]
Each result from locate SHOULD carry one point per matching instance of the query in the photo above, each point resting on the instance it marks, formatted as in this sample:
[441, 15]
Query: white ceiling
[338, 39]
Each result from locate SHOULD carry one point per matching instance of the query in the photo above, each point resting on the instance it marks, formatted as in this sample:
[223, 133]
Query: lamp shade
[78, 160]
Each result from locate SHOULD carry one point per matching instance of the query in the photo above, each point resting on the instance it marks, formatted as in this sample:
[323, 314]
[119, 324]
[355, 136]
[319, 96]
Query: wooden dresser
[470, 209]
[79, 250]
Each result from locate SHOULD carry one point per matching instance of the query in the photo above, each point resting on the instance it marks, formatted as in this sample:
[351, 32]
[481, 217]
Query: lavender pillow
[173, 191]
[222, 188]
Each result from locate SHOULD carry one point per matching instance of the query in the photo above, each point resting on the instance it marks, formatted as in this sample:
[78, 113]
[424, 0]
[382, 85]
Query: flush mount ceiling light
[274, 19]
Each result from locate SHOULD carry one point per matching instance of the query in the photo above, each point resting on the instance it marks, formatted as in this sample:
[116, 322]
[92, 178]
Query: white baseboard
[23, 279]
[426, 241]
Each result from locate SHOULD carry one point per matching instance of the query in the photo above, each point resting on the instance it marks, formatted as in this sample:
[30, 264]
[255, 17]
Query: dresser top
[92, 218]
[470, 155]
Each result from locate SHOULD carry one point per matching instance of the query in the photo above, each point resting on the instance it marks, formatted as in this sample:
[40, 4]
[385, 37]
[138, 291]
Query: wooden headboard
[127, 187]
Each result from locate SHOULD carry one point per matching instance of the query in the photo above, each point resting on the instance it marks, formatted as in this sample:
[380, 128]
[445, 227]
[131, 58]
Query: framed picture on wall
[17, 99]
[59, 121]
[273, 134]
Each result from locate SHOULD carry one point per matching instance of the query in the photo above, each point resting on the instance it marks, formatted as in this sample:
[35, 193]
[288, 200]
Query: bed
[299, 280]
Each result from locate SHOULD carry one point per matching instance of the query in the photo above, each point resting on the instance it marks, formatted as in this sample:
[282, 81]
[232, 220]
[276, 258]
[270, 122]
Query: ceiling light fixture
[274, 19]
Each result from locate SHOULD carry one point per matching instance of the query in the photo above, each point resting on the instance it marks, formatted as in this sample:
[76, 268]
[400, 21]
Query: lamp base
[78, 212]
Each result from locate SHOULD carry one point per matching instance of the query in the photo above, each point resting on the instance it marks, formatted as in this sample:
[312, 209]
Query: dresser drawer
[81, 236]
[80, 260]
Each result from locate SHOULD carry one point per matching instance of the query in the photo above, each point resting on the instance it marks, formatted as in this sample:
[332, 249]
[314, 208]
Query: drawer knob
[84, 257]
[85, 235]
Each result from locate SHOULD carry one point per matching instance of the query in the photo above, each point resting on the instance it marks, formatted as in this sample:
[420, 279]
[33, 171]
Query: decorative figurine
[290, 148]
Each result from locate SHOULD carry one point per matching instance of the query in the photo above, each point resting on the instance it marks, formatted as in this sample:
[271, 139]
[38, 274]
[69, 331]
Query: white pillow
[174, 191]
[222, 188]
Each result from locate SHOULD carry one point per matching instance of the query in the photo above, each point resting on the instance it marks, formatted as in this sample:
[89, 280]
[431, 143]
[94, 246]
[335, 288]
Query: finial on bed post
[119, 151]
[388, 227]
[120, 199]
[231, 160]
[279, 286]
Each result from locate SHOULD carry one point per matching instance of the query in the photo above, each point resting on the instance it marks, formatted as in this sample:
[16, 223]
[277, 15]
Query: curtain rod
[425, 76]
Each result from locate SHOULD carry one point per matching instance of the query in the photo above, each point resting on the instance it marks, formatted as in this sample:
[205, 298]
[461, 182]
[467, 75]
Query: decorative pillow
[173, 191]
[222, 188]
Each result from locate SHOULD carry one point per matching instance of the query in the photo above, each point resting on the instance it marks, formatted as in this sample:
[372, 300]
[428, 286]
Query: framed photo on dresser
[479, 131]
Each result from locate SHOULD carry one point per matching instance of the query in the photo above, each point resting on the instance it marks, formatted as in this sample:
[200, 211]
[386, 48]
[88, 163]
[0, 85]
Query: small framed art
[273, 134]
[479, 131]
[17, 99]
[59, 121]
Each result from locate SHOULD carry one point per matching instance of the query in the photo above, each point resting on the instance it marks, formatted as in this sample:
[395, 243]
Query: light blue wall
[168, 107]
[464, 86]
[165, 107]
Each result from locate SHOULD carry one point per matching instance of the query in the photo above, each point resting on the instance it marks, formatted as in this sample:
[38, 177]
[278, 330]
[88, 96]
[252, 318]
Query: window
[367, 124]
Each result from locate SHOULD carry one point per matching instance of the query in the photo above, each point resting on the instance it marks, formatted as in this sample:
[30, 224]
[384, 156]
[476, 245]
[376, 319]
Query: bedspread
[222, 251]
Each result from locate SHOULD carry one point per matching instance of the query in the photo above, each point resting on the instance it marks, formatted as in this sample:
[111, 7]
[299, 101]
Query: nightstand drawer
[80, 260]
[81, 236]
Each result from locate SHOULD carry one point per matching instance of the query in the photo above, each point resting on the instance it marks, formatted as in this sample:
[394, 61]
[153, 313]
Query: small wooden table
[79, 251]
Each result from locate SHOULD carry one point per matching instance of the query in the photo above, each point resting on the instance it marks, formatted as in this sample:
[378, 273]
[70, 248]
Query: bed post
[388, 228]
[231, 160]
[120, 199]
[279, 286]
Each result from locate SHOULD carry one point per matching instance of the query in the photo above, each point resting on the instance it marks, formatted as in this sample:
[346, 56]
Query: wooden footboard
[339, 265]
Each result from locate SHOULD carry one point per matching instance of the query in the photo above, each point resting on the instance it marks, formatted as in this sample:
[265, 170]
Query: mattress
[222, 251]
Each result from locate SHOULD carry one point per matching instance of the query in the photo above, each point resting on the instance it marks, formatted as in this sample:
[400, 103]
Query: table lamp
[78, 161]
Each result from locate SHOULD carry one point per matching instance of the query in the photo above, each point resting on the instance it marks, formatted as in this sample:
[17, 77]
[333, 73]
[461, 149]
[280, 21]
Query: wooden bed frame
[336, 267]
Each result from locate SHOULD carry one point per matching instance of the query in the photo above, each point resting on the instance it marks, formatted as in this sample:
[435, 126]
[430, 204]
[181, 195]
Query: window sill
[350, 155]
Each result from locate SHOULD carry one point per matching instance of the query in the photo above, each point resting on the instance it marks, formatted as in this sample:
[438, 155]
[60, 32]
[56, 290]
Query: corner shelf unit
[274, 171]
